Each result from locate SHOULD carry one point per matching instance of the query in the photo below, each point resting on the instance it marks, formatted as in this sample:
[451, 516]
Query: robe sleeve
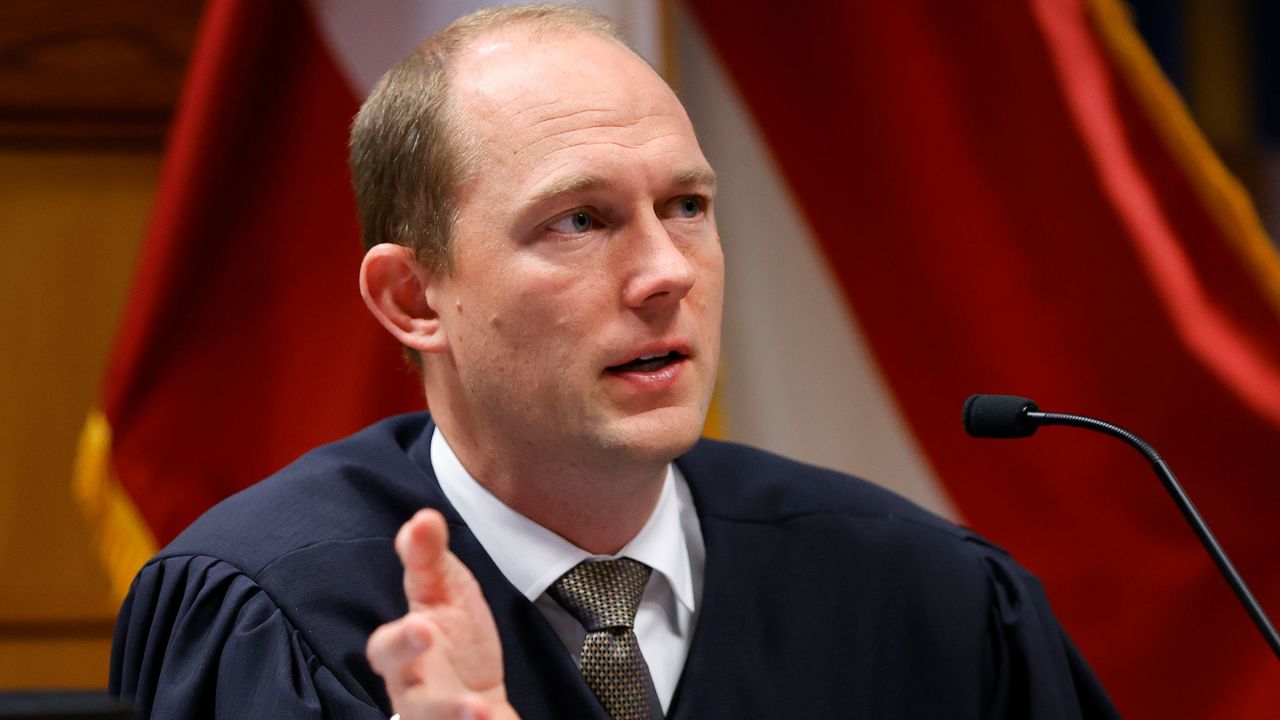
[196, 638]
[1037, 673]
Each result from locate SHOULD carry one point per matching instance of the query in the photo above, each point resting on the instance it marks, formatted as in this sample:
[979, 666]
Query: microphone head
[998, 416]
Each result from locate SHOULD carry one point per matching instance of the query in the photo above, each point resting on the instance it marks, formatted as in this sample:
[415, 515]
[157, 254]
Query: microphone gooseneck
[1007, 416]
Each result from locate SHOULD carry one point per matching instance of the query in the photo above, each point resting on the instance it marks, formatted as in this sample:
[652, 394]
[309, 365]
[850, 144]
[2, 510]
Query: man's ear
[394, 287]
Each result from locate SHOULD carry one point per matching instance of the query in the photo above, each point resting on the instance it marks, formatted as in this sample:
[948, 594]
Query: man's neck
[598, 514]
[598, 506]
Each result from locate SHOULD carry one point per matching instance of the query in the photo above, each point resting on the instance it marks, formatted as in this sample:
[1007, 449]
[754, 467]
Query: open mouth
[648, 363]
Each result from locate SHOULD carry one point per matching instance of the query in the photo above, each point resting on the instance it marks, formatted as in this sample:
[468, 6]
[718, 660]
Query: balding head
[411, 148]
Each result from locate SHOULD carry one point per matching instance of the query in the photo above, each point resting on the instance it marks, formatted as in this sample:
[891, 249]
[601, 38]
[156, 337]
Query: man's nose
[660, 270]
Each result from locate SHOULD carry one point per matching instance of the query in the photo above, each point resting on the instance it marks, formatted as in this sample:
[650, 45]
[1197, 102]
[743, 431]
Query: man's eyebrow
[697, 176]
[693, 176]
[569, 186]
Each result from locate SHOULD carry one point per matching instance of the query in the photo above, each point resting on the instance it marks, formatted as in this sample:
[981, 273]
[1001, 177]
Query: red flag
[1011, 199]
[244, 341]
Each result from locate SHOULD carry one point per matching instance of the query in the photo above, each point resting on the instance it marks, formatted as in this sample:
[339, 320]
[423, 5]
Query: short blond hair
[410, 151]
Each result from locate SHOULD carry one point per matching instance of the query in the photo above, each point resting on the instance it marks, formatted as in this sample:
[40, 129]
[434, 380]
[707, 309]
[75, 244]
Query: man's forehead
[511, 63]
[527, 34]
[534, 98]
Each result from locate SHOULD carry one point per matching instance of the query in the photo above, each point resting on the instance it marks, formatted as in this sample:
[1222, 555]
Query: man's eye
[689, 207]
[574, 222]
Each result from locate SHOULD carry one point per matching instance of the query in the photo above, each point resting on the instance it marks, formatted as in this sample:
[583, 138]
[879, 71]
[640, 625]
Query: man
[542, 237]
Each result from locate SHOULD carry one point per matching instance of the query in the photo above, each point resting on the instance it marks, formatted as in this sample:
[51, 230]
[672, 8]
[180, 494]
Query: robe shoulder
[198, 638]
[264, 604]
[359, 488]
[940, 605]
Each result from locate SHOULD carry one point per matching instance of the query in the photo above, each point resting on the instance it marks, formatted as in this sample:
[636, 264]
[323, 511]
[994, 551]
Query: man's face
[582, 312]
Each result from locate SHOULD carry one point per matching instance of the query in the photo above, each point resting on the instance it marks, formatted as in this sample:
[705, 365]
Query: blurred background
[87, 93]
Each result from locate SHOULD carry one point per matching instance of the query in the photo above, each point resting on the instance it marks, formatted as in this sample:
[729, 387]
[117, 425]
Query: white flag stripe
[368, 37]
[796, 375]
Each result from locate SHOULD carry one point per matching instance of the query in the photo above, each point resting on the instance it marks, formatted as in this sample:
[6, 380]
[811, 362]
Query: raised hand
[442, 660]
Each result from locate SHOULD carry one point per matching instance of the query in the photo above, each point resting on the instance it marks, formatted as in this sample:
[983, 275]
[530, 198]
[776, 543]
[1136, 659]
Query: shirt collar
[532, 557]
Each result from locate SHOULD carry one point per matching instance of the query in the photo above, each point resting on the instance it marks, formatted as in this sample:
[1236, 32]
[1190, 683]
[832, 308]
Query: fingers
[393, 649]
[443, 659]
[423, 547]
[417, 705]
[474, 708]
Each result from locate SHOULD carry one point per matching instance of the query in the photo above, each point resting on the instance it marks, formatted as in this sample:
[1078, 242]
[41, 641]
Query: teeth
[642, 358]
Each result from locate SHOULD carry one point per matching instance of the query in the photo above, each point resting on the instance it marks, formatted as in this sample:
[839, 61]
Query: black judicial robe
[824, 597]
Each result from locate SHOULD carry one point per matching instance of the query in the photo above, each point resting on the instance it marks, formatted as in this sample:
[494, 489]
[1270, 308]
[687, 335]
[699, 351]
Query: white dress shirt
[532, 558]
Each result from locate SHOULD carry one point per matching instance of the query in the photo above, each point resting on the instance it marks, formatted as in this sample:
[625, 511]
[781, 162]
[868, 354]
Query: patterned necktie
[603, 596]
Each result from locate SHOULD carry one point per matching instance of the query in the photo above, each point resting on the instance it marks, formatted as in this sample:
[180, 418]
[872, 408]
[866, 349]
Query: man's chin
[659, 435]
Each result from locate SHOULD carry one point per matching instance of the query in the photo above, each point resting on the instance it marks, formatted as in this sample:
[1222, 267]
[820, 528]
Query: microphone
[998, 416]
[1008, 416]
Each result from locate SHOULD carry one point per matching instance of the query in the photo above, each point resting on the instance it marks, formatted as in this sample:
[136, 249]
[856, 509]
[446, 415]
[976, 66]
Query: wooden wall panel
[72, 226]
[87, 90]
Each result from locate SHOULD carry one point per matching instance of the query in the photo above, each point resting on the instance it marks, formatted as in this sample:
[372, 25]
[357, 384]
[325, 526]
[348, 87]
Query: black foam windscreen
[998, 416]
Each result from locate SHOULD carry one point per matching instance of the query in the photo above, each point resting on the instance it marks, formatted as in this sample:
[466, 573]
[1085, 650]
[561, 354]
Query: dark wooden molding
[101, 74]
[57, 629]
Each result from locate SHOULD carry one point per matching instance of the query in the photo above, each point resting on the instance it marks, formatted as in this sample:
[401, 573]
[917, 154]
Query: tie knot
[602, 594]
